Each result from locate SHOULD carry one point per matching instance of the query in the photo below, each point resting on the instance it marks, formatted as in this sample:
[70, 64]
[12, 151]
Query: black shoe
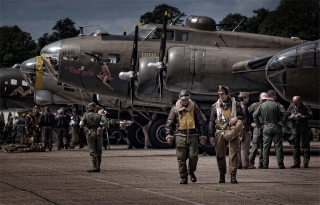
[184, 180]
[296, 166]
[264, 167]
[260, 165]
[193, 177]
[50, 149]
[239, 167]
[93, 170]
[233, 179]
[222, 178]
[282, 167]
[305, 166]
[81, 147]
[130, 147]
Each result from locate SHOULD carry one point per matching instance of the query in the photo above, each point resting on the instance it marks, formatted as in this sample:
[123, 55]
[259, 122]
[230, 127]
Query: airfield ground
[149, 177]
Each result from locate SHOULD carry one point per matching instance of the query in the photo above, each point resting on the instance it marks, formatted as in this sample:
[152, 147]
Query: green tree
[16, 46]
[232, 20]
[254, 22]
[298, 18]
[156, 16]
[64, 29]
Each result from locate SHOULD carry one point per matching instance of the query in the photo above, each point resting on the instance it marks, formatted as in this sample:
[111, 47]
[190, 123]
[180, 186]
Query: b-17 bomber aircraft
[15, 91]
[196, 57]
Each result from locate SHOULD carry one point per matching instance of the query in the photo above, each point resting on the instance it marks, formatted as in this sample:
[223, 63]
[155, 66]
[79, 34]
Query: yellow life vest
[186, 119]
[225, 113]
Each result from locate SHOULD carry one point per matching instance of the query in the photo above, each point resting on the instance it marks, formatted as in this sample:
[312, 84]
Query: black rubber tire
[136, 136]
[117, 136]
[157, 134]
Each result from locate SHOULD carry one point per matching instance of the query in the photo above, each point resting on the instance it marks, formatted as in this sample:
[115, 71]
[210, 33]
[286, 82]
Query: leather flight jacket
[172, 124]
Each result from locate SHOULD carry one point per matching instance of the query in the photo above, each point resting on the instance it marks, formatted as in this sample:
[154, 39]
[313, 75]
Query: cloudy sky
[39, 16]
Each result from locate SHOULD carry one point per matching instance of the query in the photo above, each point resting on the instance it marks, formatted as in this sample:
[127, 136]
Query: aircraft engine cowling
[44, 97]
[201, 69]
[147, 87]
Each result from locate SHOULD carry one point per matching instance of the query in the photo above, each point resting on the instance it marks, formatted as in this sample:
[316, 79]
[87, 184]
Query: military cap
[184, 94]
[264, 96]
[91, 105]
[243, 94]
[102, 112]
[222, 88]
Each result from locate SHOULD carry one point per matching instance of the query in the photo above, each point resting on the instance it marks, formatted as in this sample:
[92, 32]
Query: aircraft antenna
[175, 19]
[81, 29]
[237, 26]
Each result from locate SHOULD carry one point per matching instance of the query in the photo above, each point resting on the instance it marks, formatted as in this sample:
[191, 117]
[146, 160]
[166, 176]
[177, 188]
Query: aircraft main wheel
[117, 136]
[157, 134]
[136, 136]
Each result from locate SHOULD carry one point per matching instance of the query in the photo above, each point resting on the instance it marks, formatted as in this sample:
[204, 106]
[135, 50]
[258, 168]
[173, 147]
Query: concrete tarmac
[149, 177]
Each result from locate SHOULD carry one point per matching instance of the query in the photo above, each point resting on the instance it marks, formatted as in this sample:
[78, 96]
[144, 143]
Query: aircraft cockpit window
[96, 57]
[14, 82]
[24, 83]
[310, 46]
[182, 36]
[158, 33]
[142, 32]
[291, 61]
[74, 58]
[65, 57]
[113, 58]
[311, 60]
[275, 64]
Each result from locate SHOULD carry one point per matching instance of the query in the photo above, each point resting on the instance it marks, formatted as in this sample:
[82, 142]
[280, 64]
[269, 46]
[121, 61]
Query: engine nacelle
[147, 89]
[44, 97]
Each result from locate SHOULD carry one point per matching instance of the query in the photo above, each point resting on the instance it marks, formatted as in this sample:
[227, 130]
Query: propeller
[133, 63]
[162, 52]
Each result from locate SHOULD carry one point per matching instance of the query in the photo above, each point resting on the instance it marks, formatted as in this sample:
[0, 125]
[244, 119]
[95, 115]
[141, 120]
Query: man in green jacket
[274, 117]
[91, 122]
[299, 113]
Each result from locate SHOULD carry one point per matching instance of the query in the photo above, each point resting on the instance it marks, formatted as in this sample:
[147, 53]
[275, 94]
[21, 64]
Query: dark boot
[193, 177]
[98, 164]
[94, 166]
[233, 179]
[184, 180]
[222, 178]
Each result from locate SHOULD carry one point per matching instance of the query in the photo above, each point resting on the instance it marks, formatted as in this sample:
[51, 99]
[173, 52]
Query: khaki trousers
[221, 148]
[243, 153]
[186, 151]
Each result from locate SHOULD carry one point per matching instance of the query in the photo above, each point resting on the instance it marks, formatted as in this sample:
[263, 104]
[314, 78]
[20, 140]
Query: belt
[267, 122]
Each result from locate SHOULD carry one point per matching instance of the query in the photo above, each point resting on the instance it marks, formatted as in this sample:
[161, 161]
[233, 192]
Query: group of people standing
[41, 127]
[231, 124]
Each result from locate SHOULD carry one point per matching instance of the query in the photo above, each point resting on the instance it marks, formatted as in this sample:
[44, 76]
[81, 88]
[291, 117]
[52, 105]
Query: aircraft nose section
[28, 70]
[50, 55]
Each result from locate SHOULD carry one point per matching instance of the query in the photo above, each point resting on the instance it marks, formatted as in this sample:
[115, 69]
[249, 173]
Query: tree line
[298, 18]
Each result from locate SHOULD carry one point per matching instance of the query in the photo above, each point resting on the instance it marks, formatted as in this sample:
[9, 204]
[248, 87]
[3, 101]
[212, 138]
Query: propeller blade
[132, 90]
[135, 48]
[133, 62]
[119, 110]
[164, 37]
[162, 52]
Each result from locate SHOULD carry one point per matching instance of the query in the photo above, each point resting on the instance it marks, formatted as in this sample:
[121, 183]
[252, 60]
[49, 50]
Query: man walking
[257, 141]
[226, 113]
[47, 124]
[299, 113]
[181, 124]
[243, 154]
[91, 122]
[274, 117]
